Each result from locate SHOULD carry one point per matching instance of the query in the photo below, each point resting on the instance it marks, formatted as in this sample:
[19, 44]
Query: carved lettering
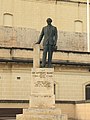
[35, 76]
[49, 72]
[33, 72]
[43, 84]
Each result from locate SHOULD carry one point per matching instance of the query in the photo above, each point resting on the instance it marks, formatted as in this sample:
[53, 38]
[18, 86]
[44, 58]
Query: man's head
[49, 21]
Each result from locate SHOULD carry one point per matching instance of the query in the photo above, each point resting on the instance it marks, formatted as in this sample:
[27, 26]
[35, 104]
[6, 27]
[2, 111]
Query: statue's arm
[55, 36]
[41, 36]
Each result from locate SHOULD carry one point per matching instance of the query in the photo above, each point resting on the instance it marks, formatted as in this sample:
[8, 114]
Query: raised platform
[42, 99]
[42, 114]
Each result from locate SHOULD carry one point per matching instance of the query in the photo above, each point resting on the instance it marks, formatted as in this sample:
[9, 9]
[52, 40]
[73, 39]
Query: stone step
[41, 117]
[49, 111]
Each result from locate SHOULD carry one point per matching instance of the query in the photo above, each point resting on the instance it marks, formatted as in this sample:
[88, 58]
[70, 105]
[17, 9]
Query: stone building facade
[71, 80]
[20, 24]
[67, 15]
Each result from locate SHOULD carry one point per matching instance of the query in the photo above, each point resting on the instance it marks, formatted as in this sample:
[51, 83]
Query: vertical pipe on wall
[88, 39]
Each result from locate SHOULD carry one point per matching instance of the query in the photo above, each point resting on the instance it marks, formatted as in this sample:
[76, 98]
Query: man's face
[49, 22]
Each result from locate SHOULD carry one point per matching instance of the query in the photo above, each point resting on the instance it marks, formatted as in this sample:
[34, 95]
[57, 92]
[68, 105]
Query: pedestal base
[41, 114]
[42, 99]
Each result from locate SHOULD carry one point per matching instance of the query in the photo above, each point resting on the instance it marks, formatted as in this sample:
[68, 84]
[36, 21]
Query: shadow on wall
[26, 37]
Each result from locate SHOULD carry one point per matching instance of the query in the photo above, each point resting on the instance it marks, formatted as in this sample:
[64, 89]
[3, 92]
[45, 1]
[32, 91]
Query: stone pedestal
[42, 99]
[42, 94]
[36, 56]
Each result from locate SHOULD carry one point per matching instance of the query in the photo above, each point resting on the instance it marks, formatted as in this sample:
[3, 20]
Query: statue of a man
[49, 33]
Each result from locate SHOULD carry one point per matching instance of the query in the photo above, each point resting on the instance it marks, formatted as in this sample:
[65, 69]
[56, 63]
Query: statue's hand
[37, 43]
[55, 47]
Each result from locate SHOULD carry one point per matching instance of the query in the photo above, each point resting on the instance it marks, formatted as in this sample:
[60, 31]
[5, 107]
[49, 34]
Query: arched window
[8, 19]
[87, 91]
[78, 25]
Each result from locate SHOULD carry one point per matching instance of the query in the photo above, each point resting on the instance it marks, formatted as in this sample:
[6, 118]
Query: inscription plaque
[42, 81]
[42, 86]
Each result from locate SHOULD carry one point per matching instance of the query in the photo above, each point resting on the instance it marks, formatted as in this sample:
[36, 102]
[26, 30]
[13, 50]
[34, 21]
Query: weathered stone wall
[17, 37]
[26, 37]
[73, 41]
[82, 111]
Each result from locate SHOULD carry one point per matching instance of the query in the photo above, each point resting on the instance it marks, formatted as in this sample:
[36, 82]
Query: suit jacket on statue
[49, 33]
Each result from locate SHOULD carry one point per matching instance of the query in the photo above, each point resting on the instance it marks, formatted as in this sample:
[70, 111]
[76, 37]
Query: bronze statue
[49, 33]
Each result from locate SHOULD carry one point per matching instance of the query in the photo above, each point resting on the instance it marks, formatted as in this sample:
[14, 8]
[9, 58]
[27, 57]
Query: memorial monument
[42, 98]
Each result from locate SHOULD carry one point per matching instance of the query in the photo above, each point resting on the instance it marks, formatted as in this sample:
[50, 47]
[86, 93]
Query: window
[7, 19]
[54, 89]
[87, 91]
[18, 78]
[78, 25]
